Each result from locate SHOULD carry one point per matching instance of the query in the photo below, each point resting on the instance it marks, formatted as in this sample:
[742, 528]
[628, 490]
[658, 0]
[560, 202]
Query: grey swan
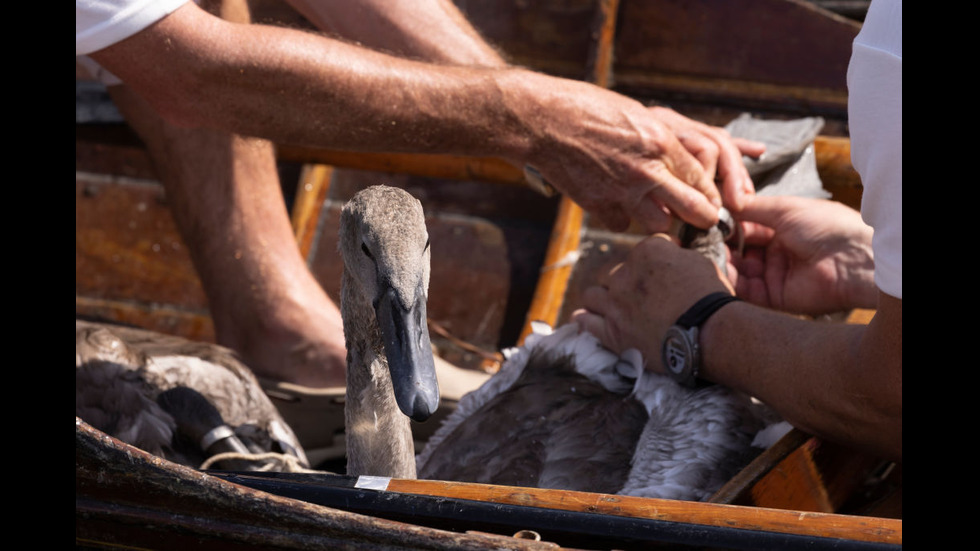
[192, 403]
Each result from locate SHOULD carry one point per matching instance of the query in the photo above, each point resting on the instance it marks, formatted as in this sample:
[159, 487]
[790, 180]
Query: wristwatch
[680, 351]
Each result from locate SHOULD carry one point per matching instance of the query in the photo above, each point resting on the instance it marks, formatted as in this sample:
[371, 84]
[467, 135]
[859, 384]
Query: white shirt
[102, 23]
[874, 80]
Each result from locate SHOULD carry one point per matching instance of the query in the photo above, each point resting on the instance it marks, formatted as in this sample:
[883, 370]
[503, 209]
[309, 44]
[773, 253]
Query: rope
[279, 462]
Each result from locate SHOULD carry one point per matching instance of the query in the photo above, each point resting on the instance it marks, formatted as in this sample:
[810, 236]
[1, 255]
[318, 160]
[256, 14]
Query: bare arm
[602, 149]
[430, 30]
[839, 381]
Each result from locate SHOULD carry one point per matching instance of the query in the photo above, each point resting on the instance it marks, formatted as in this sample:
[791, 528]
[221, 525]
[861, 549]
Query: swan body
[565, 413]
[163, 393]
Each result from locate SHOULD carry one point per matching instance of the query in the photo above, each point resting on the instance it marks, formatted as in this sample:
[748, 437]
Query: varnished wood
[557, 268]
[311, 192]
[171, 319]
[705, 514]
[860, 316]
[566, 233]
[833, 159]
[454, 167]
[736, 489]
[804, 473]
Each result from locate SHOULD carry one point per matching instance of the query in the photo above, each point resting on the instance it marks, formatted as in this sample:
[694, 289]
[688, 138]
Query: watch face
[676, 353]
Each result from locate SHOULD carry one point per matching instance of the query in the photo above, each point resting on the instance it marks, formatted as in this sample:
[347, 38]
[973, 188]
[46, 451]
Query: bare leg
[226, 199]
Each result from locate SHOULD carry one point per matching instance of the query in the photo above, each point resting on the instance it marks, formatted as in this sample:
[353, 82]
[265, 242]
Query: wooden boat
[504, 248]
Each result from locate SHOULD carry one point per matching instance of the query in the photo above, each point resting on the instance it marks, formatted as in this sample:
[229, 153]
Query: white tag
[379, 483]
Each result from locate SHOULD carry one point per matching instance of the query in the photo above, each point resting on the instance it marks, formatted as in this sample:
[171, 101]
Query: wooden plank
[702, 514]
[566, 234]
[453, 167]
[128, 497]
[311, 191]
[127, 246]
[164, 318]
[542, 510]
[833, 158]
[766, 54]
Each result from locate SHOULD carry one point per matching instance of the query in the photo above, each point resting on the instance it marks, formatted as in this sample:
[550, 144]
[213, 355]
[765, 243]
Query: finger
[688, 169]
[752, 263]
[651, 215]
[731, 272]
[686, 202]
[757, 234]
[736, 184]
[704, 149]
[663, 237]
[590, 322]
[595, 298]
[750, 148]
[753, 290]
[765, 209]
[776, 270]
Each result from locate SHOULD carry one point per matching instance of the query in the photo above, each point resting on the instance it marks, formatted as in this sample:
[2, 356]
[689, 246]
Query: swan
[391, 374]
[190, 402]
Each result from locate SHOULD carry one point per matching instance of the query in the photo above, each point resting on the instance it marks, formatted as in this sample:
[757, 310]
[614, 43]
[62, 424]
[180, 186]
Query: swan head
[385, 247]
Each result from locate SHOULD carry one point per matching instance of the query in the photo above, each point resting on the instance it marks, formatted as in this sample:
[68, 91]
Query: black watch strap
[702, 309]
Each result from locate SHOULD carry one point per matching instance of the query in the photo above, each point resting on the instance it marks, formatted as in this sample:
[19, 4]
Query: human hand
[804, 256]
[718, 152]
[635, 304]
[620, 160]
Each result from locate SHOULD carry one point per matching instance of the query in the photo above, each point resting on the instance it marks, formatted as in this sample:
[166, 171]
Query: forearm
[431, 30]
[602, 149]
[839, 381]
[295, 87]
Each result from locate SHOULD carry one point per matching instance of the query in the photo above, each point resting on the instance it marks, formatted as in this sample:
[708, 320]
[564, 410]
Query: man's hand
[640, 299]
[718, 152]
[622, 161]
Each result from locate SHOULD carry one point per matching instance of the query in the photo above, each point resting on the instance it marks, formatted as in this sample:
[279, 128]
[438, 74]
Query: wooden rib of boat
[505, 247]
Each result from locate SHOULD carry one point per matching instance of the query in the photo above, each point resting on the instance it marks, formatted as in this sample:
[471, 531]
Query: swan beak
[406, 342]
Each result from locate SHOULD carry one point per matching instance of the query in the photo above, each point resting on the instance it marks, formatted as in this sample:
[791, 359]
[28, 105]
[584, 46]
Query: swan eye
[367, 252]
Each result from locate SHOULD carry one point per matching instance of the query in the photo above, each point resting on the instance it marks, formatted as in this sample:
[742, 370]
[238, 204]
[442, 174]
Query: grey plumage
[566, 413]
[120, 372]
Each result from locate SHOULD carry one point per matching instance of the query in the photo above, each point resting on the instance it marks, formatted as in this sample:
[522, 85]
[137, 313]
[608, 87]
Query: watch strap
[702, 309]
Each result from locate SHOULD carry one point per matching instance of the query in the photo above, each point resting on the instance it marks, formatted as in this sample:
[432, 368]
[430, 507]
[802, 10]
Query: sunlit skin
[840, 381]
